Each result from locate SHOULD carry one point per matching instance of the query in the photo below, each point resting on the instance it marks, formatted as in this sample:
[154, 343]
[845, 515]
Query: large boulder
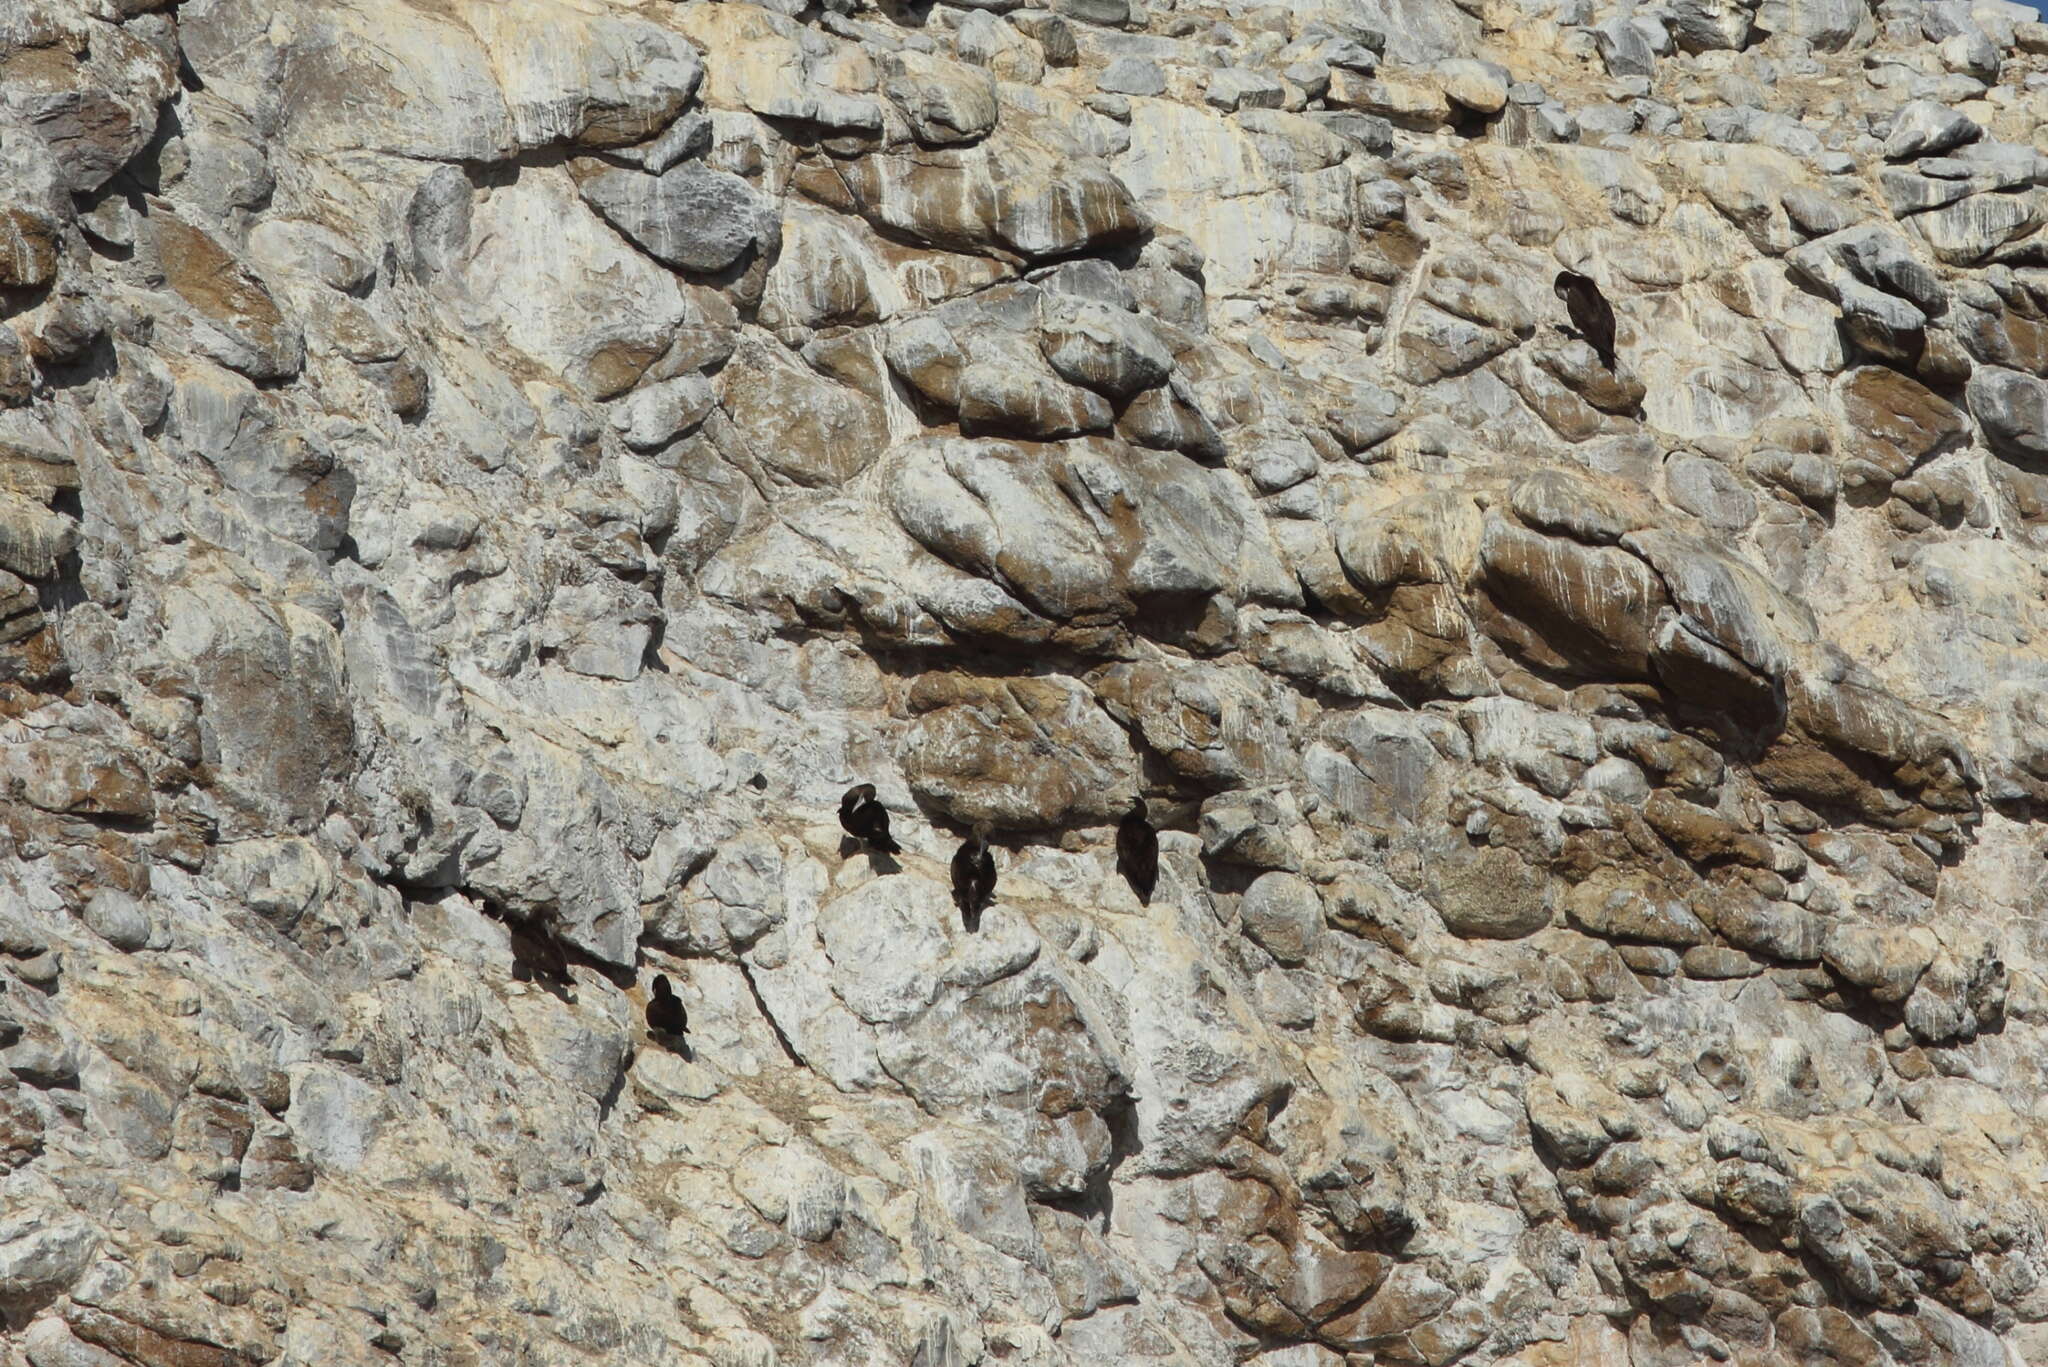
[1087, 529]
[271, 688]
[94, 104]
[2013, 411]
[1905, 424]
[803, 429]
[689, 217]
[591, 79]
[1006, 193]
[1830, 25]
[608, 313]
[978, 752]
[236, 319]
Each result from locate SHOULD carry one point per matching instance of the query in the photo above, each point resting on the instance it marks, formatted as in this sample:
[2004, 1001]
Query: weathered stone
[1580, 937]
[1042, 207]
[945, 103]
[653, 417]
[1602, 908]
[1132, 75]
[689, 217]
[798, 425]
[1481, 87]
[1926, 129]
[42, 1253]
[2013, 409]
[236, 320]
[973, 753]
[1107, 349]
[94, 105]
[1488, 893]
[1282, 912]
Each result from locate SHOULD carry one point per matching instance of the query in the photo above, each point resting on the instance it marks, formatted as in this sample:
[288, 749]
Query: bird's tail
[1607, 359]
[887, 844]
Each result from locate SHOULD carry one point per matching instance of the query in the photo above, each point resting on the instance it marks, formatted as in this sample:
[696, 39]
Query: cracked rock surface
[479, 480]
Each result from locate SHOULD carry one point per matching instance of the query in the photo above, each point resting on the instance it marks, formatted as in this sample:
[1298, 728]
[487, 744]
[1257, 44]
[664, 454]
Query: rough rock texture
[478, 480]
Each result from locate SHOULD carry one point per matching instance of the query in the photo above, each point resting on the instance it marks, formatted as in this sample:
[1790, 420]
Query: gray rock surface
[478, 481]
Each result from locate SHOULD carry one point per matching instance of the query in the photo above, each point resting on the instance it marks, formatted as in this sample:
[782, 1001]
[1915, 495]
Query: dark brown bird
[1137, 851]
[1592, 316]
[665, 1014]
[974, 877]
[867, 820]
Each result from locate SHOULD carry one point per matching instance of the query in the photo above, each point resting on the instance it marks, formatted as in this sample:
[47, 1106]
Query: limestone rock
[689, 216]
[479, 483]
[972, 754]
[1926, 129]
[237, 320]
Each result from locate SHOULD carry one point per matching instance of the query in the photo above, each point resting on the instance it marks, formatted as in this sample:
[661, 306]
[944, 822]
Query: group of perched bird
[1137, 843]
[974, 881]
[974, 863]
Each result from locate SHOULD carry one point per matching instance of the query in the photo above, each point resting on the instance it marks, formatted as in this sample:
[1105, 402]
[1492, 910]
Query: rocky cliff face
[479, 479]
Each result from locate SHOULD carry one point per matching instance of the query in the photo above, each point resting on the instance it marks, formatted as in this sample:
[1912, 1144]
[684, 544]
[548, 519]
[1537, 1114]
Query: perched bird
[867, 820]
[665, 1014]
[974, 876]
[1137, 851]
[1592, 316]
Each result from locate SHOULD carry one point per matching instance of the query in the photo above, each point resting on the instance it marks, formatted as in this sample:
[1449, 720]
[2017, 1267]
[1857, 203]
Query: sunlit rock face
[479, 480]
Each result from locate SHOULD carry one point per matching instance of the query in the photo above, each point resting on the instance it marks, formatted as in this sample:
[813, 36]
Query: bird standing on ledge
[974, 876]
[665, 1014]
[1137, 851]
[1592, 316]
[867, 820]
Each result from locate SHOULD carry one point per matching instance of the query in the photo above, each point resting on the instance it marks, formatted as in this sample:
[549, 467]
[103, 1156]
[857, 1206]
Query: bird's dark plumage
[867, 820]
[1137, 851]
[974, 877]
[1591, 314]
[665, 1012]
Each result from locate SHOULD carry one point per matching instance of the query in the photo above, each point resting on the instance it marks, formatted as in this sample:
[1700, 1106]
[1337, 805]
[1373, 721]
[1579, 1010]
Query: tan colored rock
[974, 754]
[94, 105]
[1580, 938]
[1042, 205]
[1581, 608]
[945, 103]
[597, 80]
[1903, 422]
[1408, 1299]
[1487, 892]
[237, 320]
[1401, 99]
[613, 313]
[142, 1344]
[433, 95]
[1608, 908]
[1703, 836]
[1217, 730]
[78, 777]
[801, 427]
[33, 539]
[28, 248]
